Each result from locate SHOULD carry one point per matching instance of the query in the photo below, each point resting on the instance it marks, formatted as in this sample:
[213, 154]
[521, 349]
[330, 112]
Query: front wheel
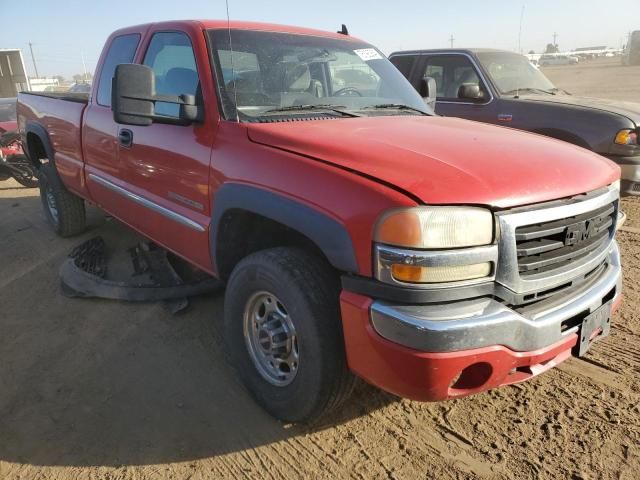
[284, 333]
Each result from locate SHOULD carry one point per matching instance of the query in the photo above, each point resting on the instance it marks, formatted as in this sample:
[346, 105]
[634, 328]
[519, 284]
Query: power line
[520, 31]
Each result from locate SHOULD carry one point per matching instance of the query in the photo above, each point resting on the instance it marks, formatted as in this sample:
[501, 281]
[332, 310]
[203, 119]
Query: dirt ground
[602, 77]
[97, 389]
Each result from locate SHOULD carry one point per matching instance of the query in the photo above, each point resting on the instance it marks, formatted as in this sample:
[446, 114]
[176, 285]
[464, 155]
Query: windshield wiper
[530, 89]
[303, 108]
[395, 106]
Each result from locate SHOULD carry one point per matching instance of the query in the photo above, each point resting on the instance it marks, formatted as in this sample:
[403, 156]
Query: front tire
[284, 334]
[64, 210]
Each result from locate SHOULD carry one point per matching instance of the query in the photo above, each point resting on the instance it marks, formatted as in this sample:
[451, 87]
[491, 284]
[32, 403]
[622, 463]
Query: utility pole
[451, 41]
[35, 67]
[84, 67]
[520, 31]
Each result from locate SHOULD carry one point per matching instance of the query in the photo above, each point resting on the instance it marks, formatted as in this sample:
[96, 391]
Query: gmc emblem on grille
[580, 232]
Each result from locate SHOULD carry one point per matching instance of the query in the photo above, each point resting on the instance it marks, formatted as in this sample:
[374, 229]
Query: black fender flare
[327, 233]
[39, 131]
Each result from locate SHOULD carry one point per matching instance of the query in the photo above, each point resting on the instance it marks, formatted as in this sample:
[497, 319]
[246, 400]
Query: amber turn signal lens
[627, 137]
[454, 273]
[409, 273]
[400, 228]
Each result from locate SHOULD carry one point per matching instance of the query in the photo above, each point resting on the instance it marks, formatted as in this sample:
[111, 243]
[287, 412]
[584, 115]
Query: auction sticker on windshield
[367, 54]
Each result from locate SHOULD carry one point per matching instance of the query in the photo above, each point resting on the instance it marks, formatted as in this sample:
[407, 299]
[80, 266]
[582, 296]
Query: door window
[170, 56]
[451, 72]
[403, 63]
[121, 50]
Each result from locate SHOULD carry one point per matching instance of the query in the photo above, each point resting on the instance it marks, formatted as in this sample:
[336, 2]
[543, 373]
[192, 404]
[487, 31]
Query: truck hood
[446, 160]
[629, 110]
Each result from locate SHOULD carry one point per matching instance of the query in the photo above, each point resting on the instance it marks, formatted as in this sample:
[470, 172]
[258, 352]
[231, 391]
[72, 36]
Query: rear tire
[288, 298]
[64, 210]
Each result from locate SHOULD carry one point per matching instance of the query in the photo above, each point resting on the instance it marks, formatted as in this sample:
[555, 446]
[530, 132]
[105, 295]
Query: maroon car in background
[13, 162]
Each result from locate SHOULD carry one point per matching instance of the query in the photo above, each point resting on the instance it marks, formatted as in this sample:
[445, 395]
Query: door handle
[125, 137]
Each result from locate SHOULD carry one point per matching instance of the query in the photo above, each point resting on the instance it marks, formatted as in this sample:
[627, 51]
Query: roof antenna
[344, 30]
[233, 71]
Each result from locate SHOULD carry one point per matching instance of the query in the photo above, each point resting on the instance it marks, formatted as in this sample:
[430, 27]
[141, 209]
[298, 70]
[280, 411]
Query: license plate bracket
[595, 326]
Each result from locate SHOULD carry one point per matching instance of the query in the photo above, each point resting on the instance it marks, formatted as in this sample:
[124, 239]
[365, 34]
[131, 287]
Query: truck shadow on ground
[93, 382]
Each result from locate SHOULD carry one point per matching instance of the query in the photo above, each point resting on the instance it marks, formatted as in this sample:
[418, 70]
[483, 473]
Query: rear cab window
[122, 50]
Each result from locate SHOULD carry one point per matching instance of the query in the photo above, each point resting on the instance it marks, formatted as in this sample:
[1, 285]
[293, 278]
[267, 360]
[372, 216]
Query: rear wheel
[284, 333]
[64, 210]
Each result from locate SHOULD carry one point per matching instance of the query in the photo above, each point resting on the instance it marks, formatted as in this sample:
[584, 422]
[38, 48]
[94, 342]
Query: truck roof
[469, 51]
[235, 25]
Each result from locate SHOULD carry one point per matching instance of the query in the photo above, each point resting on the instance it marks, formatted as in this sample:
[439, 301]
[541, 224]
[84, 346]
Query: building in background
[43, 84]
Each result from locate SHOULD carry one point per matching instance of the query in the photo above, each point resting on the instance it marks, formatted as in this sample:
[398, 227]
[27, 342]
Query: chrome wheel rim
[51, 205]
[270, 337]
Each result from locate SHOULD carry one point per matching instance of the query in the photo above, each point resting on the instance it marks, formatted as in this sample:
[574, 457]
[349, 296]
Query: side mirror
[133, 99]
[470, 91]
[429, 91]
[132, 92]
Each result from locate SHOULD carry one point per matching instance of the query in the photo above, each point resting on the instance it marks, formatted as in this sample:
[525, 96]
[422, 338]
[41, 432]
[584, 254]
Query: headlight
[435, 245]
[436, 227]
[626, 137]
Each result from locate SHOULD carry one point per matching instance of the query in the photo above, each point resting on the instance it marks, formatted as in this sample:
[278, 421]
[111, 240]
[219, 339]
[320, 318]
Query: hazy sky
[62, 31]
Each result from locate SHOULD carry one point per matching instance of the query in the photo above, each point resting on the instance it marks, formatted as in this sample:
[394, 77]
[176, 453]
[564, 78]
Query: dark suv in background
[504, 88]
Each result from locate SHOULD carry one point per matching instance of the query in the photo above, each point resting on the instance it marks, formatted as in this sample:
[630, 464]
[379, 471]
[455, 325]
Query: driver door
[165, 165]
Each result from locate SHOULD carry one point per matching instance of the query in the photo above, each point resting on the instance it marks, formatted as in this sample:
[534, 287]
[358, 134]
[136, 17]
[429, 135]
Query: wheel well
[35, 149]
[241, 233]
[564, 136]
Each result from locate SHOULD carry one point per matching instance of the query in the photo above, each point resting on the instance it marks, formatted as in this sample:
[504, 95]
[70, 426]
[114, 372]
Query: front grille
[545, 247]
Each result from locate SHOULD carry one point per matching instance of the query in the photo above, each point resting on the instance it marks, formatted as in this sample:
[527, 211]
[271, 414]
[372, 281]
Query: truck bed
[60, 115]
[70, 97]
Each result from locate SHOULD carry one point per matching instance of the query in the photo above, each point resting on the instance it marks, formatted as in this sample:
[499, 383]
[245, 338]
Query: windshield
[280, 74]
[511, 72]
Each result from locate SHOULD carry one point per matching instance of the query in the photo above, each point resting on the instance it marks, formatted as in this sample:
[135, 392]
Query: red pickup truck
[358, 233]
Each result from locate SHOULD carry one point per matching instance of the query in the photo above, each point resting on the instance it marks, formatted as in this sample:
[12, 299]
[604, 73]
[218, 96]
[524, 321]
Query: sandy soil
[602, 77]
[96, 389]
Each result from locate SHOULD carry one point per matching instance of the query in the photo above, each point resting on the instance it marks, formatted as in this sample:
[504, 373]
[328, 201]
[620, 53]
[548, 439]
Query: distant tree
[551, 48]
[60, 78]
[531, 52]
[81, 77]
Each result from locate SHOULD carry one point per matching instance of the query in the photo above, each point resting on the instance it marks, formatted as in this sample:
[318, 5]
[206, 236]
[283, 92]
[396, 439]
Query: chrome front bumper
[484, 322]
[630, 173]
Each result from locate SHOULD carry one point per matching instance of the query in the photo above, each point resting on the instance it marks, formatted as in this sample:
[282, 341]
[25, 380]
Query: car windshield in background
[7, 109]
[272, 74]
[512, 73]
